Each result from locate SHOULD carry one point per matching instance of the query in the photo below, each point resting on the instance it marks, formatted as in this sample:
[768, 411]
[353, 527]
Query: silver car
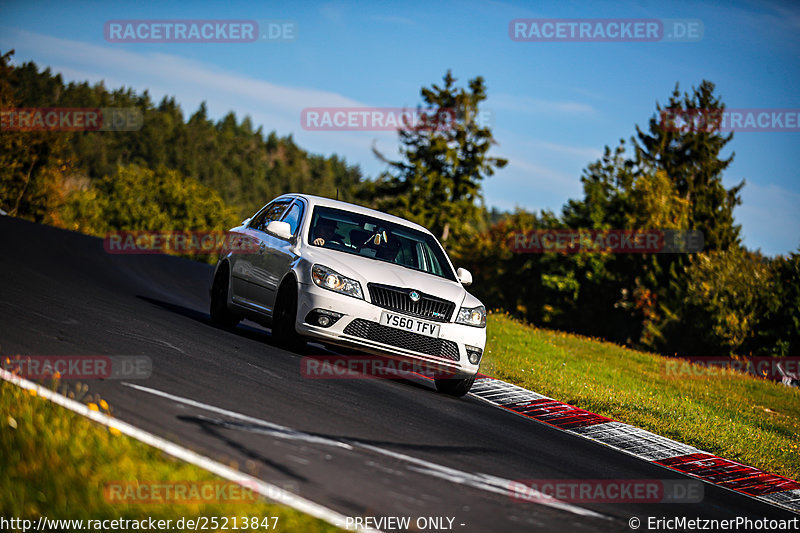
[312, 268]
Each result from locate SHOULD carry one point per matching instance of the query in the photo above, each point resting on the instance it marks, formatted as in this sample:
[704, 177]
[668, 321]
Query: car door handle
[261, 248]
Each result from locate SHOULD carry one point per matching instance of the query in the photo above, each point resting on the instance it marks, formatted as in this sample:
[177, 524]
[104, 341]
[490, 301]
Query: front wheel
[220, 313]
[454, 387]
[284, 316]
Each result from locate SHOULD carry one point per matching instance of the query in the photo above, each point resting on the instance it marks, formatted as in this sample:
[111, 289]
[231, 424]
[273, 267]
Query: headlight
[472, 316]
[328, 278]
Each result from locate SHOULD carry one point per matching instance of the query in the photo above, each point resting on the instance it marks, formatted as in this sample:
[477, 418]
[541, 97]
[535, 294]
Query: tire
[220, 314]
[454, 387]
[284, 333]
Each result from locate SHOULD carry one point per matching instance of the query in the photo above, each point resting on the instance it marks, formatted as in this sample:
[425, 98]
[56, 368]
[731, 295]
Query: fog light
[323, 317]
[474, 354]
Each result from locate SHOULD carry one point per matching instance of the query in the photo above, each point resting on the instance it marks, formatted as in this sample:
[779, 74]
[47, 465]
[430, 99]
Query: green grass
[55, 463]
[730, 414]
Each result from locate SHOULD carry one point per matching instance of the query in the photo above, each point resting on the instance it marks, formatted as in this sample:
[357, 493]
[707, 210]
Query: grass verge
[730, 414]
[56, 463]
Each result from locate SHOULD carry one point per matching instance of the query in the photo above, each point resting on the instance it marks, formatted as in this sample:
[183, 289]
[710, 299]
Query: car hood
[367, 270]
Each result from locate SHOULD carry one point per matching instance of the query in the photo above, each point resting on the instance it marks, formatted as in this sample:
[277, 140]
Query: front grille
[408, 340]
[397, 299]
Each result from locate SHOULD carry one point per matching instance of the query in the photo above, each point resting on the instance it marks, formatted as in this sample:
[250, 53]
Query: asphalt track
[362, 447]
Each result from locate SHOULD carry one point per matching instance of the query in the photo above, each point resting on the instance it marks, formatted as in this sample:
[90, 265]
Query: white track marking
[277, 429]
[268, 490]
[280, 432]
[479, 481]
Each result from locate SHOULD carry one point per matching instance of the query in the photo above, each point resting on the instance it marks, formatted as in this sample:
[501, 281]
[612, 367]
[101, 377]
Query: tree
[727, 294]
[778, 330]
[137, 198]
[444, 160]
[672, 180]
[246, 167]
[33, 167]
[690, 156]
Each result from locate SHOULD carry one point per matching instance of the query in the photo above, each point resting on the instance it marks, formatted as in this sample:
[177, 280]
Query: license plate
[410, 324]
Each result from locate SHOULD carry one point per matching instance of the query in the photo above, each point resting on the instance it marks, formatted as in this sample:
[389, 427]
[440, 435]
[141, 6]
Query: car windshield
[378, 239]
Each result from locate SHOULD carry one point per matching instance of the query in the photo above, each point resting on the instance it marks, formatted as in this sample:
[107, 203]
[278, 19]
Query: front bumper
[360, 328]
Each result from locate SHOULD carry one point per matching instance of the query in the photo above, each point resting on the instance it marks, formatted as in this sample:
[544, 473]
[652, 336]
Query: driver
[325, 231]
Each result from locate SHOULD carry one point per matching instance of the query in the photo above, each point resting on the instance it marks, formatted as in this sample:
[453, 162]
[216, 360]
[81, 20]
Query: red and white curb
[777, 490]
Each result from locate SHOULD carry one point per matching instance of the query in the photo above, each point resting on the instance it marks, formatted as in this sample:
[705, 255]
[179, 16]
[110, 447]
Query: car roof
[338, 204]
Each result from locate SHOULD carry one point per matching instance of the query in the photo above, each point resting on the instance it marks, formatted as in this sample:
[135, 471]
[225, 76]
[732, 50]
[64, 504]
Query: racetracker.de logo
[605, 30]
[368, 366]
[783, 369]
[199, 31]
[71, 119]
[179, 492]
[606, 490]
[727, 120]
[376, 119]
[79, 366]
[178, 242]
[574, 241]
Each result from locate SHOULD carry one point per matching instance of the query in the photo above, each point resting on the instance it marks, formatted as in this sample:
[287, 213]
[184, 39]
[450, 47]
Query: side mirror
[464, 276]
[246, 221]
[280, 229]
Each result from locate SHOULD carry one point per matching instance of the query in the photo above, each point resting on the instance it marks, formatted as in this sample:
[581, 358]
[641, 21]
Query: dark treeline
[243, 165]
[199, 174]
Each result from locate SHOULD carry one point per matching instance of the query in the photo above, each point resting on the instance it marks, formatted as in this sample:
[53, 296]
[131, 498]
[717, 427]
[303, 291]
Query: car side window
[272, 212]
[433, 263]
[292, 217]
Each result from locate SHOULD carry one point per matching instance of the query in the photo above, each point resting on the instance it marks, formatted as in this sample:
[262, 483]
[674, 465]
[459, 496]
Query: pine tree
[444, 160]
[691, 159]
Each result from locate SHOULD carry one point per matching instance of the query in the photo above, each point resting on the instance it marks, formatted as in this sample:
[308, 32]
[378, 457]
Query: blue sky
[555, 105]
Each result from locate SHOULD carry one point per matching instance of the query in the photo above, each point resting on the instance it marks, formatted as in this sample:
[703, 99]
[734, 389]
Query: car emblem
[414, 295]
